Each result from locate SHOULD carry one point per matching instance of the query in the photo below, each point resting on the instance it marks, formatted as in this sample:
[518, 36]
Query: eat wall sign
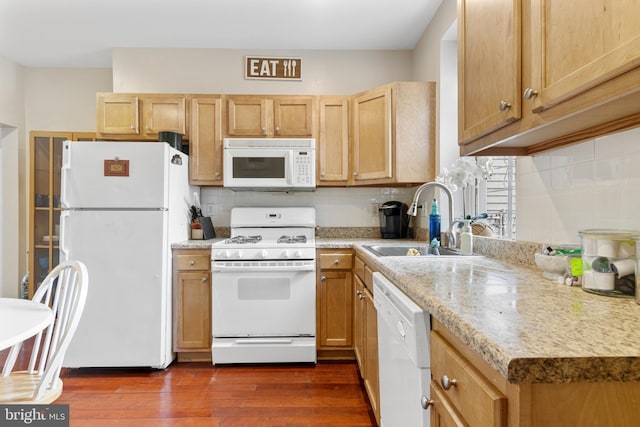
[269, 68]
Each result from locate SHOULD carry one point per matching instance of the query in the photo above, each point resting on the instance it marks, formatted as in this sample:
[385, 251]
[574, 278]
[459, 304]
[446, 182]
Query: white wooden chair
[65, 291]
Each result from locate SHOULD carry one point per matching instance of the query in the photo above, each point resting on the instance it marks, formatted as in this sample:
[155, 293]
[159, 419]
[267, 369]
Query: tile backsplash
[335, 207]
[593, 184]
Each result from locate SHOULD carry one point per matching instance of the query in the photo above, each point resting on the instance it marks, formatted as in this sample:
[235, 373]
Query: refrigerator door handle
[62, 246]
[64, 176]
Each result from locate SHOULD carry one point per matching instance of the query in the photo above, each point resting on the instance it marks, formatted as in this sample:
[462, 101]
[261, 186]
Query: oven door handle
[265, 341]
[261, 268]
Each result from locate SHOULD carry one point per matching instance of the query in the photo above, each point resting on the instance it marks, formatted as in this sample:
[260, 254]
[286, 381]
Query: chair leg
[11, 359]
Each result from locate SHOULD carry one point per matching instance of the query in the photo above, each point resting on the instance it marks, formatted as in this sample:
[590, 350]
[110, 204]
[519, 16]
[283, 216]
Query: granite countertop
[531, 330]
[195, 244]
[528, 328]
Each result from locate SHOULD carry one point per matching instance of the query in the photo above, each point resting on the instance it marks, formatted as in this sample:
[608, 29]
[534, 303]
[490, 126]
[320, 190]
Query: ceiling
[81, 33]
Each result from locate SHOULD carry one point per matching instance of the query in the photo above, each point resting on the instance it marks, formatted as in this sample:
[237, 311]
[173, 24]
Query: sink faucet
[413, 210]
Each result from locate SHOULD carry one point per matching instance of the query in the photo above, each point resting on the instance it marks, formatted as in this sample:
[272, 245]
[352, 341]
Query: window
[497, 197]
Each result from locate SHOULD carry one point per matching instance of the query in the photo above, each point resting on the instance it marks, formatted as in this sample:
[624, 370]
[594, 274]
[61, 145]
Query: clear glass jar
[609, 262]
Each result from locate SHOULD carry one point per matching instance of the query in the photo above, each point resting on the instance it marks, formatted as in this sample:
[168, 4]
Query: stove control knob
[264, 254]
[239, 254]
[298, 254]
[285, 254]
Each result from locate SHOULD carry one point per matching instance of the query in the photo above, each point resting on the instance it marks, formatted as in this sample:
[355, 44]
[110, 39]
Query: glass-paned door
[45, 185]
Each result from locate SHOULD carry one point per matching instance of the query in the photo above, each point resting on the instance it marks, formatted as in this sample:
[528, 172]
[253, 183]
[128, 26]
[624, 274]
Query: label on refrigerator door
[116, 167]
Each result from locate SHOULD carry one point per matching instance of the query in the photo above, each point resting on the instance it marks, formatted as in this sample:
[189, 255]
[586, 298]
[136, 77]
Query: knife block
[208, 231]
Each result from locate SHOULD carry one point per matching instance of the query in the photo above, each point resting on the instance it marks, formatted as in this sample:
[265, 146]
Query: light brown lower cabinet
[366, 333]
[483, 397]
[334, 302]
[192, 304]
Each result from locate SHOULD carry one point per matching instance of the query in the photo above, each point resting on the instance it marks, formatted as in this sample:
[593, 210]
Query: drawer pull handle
[530, 93]
[336, 262]
[192, 263]
[504, 105]
[447, 382]
[425, 402]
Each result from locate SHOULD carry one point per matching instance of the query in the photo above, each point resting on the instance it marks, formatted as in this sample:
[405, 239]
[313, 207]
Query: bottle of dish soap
[466, 239]
[434, 222]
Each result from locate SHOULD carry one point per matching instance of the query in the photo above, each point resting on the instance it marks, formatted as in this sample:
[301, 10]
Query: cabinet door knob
[217, 174]
[425, 402]
[323, 278]
[322, 174]
[355, 174]
[530, 93]
[263, 130]
[204, 279]
[447, 382]
[192, 263]
[504, 105]
[277, 129]
[132, 127]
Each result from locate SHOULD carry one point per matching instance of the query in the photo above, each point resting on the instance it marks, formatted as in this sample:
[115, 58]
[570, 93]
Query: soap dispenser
[466, 238]
[434, 222]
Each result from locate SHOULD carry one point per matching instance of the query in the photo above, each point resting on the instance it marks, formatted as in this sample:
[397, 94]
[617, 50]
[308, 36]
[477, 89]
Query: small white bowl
[551, 263]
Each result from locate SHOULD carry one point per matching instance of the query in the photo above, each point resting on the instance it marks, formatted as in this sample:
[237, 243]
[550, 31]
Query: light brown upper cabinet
[205, 145]
[393, 128]
[332, 150]
[582, 44]
[257, 116]
[489, 81]
[567, 70]
[139, 116]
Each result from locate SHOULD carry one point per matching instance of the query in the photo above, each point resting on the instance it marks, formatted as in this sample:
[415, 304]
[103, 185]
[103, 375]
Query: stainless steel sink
[403, 250]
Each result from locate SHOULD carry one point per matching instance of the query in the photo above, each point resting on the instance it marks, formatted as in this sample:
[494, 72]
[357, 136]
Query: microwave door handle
[288, 160]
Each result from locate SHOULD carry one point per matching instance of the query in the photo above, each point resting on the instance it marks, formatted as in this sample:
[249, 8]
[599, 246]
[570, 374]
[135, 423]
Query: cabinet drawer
[368, 277]
[195, 261]
[358, 268]
[472, 396]
[336, 261]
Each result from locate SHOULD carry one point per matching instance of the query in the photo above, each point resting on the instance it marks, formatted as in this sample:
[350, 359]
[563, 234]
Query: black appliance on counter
[394, 220]
[174, 139]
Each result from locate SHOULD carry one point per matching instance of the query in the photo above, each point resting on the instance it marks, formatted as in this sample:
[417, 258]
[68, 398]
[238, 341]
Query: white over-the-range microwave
[270, 164]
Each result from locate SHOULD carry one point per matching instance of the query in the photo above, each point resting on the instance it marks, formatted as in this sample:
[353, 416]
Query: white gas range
[264, 297]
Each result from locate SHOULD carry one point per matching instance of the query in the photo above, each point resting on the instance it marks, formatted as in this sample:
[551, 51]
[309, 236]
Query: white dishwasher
[403, 353]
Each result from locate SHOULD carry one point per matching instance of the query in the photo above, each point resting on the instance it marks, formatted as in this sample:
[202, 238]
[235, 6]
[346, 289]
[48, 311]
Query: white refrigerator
[123, 205]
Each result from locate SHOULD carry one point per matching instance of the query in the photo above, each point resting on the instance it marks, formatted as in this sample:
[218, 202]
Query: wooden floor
[199, 394]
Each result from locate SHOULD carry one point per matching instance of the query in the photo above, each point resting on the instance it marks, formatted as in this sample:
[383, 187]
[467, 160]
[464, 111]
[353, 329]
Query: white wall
[64, 99]
[12, 182]
[222, 71]
[9, 219]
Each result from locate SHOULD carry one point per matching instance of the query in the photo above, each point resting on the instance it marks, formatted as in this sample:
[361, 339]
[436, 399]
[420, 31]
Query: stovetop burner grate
[244, 239]
[292, 239]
